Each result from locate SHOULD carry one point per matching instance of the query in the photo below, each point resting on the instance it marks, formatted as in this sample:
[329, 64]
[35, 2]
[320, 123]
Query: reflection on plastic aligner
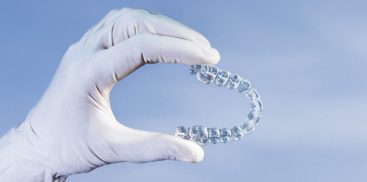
[202, 135]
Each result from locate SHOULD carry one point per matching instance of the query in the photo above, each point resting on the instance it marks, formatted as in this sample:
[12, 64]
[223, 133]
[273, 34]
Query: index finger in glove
[126, 23]
[129, 55]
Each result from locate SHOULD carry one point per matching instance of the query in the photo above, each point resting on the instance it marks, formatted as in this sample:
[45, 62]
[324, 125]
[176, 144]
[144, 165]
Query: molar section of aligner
[222, 78]
[248, 127]
[214, 135]
[225, 135]
[194, 69]
[207, 74]
[233, 81]
[182, 132]
[199, 134]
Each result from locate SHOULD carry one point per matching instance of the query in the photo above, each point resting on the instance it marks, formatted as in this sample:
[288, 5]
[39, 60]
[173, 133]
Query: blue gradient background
[308, 60]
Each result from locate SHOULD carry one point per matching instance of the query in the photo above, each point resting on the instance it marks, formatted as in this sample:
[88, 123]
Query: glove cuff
[20, 160]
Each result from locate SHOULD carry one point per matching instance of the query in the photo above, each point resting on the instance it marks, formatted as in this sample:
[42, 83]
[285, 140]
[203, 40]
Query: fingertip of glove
[216, 56]
[198, 155]
[189, 151]
[212, 56]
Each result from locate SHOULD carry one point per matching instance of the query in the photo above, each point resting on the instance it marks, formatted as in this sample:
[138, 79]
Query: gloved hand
[73, 130]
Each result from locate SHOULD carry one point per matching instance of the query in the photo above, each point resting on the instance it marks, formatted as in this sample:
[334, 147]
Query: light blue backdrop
[308, 59]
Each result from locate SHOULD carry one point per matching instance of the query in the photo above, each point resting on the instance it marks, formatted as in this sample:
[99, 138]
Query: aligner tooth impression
[202, 135]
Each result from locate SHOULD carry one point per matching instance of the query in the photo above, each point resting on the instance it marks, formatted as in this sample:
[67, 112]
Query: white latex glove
[73, 129]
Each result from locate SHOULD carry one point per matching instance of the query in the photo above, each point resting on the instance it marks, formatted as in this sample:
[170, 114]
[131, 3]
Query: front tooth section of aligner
[256, 104]
[207, 74]
[254, 116]
[253, 94]
[248, 127]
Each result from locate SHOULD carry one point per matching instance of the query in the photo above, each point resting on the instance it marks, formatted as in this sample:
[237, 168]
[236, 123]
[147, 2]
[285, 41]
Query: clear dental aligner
[203, 135]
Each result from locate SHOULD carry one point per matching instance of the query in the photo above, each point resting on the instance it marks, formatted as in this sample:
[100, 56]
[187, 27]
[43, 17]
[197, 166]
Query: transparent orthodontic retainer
[203, 135]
